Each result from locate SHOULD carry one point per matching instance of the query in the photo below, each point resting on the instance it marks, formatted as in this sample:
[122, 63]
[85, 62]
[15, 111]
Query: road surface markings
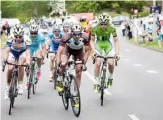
[151, 71]
[92, 78]
[133, 117]
[137, 65]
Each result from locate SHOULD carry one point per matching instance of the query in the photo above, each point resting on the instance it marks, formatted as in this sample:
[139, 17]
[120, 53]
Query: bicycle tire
[12, 91]
[76, 113]
[34, 82]
[65, 99]
[30, 84]
[55, 75]
[34, 88]
[102, 86]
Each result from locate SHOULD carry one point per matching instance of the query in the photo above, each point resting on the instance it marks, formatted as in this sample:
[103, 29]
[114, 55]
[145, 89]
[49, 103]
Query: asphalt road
[136, 93]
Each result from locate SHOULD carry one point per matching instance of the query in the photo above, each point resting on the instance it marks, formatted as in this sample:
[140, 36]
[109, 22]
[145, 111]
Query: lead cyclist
[104, 37]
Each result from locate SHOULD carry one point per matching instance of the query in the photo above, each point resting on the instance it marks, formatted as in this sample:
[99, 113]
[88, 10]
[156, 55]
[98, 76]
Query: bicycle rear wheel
[102, 88]
[75, 94]
[34, 88]
[30, 84]
[55, 75]
[12, 93]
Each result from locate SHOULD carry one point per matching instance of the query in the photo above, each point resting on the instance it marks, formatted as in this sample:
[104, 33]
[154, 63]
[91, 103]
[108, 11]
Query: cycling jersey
[37, 43]
[18, 48]
[73, 47]
[54, 42]
[104, 38]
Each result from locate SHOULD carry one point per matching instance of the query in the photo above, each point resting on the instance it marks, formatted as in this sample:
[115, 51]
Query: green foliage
[23, 10]
[144, 13]
[96, 6]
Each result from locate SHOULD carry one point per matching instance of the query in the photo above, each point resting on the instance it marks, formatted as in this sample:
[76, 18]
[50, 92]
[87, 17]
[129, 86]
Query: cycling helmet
[33, 28]
[18, 30]
[56, 27]
[67, 24]
[76, 27]
[104, 18]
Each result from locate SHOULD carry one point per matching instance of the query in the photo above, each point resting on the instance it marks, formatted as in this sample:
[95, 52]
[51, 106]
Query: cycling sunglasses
[18, 36]
[56, 31]
[33, 33]
[77, 34]
[103, 24]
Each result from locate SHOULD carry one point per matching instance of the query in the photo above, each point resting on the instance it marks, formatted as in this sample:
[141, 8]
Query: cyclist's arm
[61, 48]
[28, 57]
[92, 41]
[6, 53]
[7, 49]
[87, 47]
[48, 39]
[116, 41]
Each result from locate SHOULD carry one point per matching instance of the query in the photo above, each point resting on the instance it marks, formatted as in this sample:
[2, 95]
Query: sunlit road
[137, 92]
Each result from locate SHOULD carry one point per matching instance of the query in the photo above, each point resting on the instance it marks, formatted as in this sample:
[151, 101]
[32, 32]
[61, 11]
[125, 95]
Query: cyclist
[72, 44]
[83, 21]
[66, 27]
[53, 40]
[37, 47]
[106, 39]
[18, 47]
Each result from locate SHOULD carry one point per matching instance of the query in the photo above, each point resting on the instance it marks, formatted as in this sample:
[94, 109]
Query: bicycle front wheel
[103, 85]
[75, 97]
[65, 98]
[12, 93]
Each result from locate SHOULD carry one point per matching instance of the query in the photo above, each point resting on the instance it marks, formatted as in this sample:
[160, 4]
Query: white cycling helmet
[33, 28]
[56, 27]
[66, 24]
[18, 30]
[104, 18]
[76, 27]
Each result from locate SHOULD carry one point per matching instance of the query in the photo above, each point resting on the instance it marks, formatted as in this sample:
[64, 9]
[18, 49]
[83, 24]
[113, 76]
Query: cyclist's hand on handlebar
[4, 64]
[117, 57]
[84, 67]
[27, 69]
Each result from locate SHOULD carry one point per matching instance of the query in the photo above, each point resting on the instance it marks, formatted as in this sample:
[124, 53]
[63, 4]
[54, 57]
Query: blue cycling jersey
[18, 48]
[54, 41]
[37, 41]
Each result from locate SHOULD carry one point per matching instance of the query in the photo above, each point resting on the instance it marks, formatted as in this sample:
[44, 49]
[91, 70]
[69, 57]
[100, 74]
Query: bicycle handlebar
[14, 64]
[106, 58]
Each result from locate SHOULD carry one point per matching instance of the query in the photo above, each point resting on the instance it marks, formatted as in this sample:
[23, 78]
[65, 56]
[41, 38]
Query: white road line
[133, 117]
[92, 78]
[137, 65]
[151, 71]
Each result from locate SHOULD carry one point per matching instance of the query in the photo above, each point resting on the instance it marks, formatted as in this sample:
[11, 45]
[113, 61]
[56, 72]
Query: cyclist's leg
[64, 59]
[110, 52]
[39, 58]
[79, 56]
[99, 47]
[22, 58]
[11, 59]
[43, 50]
[52, 58]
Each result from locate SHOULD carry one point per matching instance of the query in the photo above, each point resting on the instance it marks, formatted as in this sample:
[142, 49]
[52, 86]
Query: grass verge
[152, 45]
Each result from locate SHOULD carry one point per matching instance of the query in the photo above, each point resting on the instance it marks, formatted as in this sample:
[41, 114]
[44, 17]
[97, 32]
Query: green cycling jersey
[104, 38]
